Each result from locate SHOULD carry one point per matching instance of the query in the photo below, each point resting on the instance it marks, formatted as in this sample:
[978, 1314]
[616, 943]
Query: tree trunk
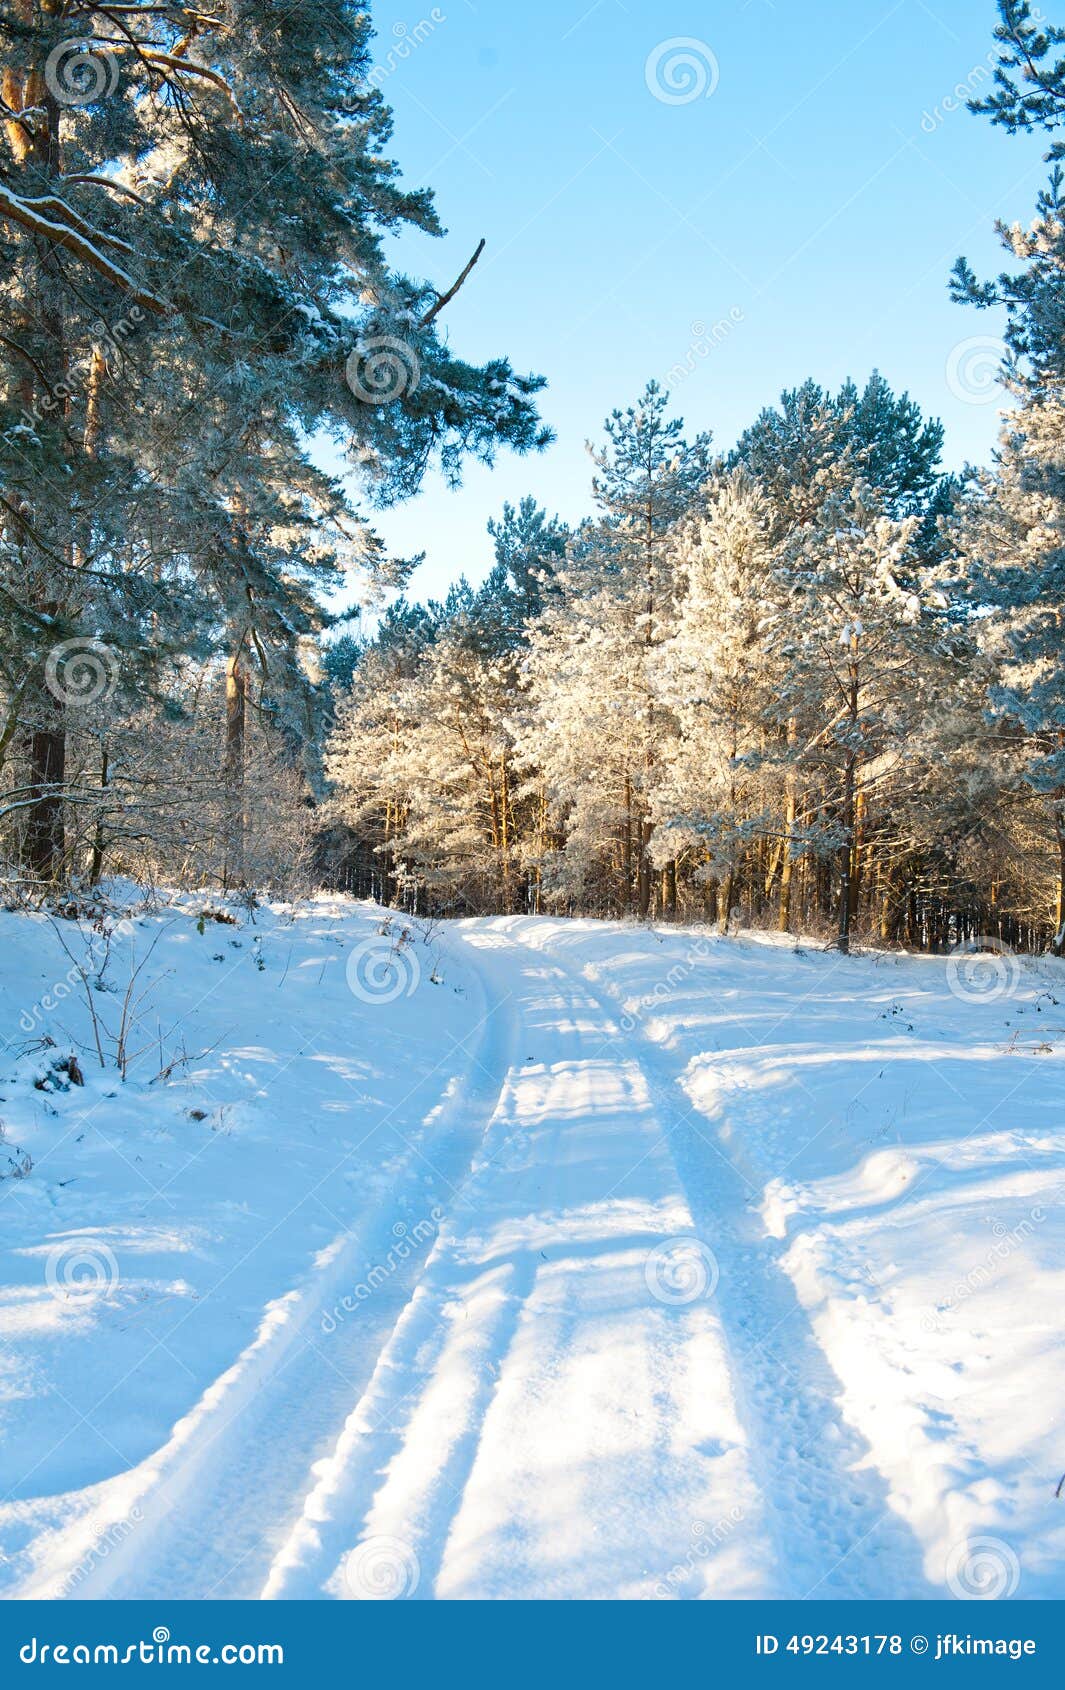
[848, 851]
[709, 900]
[233, 768]
[96, 868]
[845, 856]
[541, 851]
[44, 839]
[724, 900]
[1058, 946]
[626, 851]
[504, 807]
[669, 889]
[891, 904]
[790, 813]
[857, 853]
[645, 883]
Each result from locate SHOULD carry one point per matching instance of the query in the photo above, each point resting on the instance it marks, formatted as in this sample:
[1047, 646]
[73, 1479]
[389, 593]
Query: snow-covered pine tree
[1013, 542]
[863, 655]
[815, 443]
[421, 758]
[807, 452]
[1029, 91]
[585, 734]
[377, 717]
[596, 729]
[713, 800]
[192, 209]
[529, 548]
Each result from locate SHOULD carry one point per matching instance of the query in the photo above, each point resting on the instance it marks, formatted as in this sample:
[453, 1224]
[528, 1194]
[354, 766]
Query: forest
[810, 681]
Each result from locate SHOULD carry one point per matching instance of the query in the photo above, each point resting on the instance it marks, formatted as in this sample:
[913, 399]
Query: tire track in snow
[213, 1504]
[834, 1532]
[395, 1416]
[427, 1397]
[529, 1428]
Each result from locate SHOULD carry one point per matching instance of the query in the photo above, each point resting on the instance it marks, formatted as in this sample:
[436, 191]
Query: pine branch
[185, 67]
[106, 182]
[21, 212]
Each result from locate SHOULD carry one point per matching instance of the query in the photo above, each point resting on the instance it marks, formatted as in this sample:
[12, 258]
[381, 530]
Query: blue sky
[798, 217]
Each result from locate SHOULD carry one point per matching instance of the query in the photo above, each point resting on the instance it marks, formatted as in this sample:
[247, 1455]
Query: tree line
[769, 686]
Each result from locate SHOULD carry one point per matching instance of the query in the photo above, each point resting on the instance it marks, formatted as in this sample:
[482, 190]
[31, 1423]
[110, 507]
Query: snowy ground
[526, 1259]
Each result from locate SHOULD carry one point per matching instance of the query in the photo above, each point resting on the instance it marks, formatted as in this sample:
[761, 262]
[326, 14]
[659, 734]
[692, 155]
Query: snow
[527, 1258]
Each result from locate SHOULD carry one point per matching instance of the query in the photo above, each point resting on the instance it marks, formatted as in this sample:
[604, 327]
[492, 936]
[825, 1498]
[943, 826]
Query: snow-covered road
[654, 1266]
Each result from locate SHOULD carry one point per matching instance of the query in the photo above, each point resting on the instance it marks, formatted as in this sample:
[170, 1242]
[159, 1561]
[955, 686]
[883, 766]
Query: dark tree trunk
[846, 857]
[96, 869]
[790, 815]
[724, 901]
[669, 889]
[44, 840]
[645, 882]
[626, 852]
[233, 769]
[1058, 946]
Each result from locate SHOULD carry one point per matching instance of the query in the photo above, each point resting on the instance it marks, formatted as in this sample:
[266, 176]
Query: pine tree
[713, 675]
[1012, 539]
[192, 208]
[863, 654]
[647, 480]
[421, 757]
[1013, 543]
[529, 547]
[816, 443]
[1029, 90]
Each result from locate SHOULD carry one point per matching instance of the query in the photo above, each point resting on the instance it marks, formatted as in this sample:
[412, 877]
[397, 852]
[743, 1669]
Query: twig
[443, 299]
